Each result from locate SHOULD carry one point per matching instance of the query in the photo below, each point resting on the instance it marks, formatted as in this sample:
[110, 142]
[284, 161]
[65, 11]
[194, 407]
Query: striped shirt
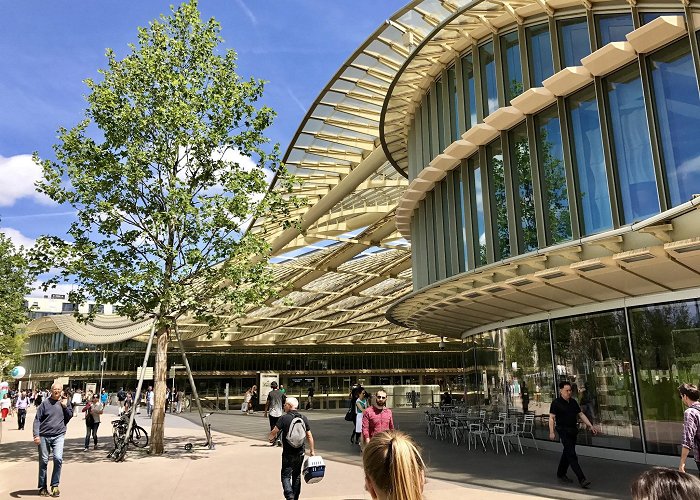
[691, 429]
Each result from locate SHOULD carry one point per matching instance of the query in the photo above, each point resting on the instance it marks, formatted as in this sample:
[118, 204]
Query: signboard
[264, 385]
[148, 374]
[91, 387]
[58, 296]
[61, 380]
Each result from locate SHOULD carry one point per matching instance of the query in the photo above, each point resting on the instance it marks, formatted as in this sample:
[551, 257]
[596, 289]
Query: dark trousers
[568, 456]
[291, 475]
[21, 417]
[91, 429]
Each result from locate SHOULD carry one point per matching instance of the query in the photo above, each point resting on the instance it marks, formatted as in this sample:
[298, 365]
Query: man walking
[691, 424]
[274, 407]
[21, 405]
[563, 415]
[50, 421]
[377, 418]
[292, 457]
[150, 400]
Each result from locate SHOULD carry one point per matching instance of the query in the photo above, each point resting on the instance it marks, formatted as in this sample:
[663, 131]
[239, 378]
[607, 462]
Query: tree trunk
[159, 377]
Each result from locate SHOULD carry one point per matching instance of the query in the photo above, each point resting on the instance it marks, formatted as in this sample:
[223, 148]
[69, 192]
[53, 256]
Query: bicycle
[138, 437]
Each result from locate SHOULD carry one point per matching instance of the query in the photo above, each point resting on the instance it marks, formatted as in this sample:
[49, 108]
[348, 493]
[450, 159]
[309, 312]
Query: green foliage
[14, 285]
[11, 352]
[169, 163]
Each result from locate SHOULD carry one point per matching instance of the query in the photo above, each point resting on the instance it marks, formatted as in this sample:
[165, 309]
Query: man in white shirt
[150, 400]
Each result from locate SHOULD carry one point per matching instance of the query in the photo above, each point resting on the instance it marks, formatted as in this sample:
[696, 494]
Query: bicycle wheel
[139, 437]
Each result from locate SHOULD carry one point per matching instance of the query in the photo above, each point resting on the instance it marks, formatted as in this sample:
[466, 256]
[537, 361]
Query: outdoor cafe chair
[527, 429]
[480, 431]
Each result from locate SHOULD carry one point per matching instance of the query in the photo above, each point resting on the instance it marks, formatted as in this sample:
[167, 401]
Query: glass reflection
[461, 219]
[528, 370]
[539, 53]
[454, 103]
[593, 194]
[631, 145]
[550, 153]
[677, 107]
[494, 153]
[440, 116]
[522, 179]
[613, 28]
[592, 352]
[512, 72]
[478, 211]
[574, 41]
[488, 78]
[469, 90]
[490, 369]
[666, 348]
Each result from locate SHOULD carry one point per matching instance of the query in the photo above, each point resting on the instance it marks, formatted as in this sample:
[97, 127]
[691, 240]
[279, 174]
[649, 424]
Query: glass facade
[589, 162]
[574, 42]
[677, 108]
[613, 153]
[632, 155]
[512, 71]
[539, 53]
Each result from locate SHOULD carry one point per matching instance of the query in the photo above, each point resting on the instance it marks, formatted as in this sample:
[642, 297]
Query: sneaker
[585, 484]
[54, 492]
[565, 479]
[43, 492]
[85, 449]
[94, 446]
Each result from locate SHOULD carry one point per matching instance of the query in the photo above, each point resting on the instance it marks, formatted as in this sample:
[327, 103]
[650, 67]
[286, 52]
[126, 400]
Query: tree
[169, 163]
[15, 284]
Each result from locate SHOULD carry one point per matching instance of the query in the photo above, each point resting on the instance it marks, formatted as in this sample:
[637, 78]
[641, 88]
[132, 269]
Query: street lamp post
[103, 362]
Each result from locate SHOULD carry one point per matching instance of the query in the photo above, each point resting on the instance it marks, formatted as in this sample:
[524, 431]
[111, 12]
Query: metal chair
[527, 429]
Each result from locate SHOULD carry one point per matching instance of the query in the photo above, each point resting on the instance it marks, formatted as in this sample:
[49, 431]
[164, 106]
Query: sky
[47, 49]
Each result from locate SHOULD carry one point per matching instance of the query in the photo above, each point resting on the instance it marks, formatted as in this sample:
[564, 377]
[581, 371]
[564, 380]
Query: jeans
[91, 429]
[149, 409]
[46, 445]
[21, 417]
[291, 475]
[568, 456]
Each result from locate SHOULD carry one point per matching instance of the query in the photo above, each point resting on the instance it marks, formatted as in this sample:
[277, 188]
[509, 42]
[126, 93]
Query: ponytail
[393, 463]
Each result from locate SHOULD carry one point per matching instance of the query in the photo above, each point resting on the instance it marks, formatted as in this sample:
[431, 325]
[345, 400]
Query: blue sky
[48, 48]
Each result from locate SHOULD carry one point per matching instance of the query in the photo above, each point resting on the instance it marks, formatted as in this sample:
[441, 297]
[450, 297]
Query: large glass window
[489, 91]
[631, 145]
[528, 370]
[587, 145]
[666, 339]
[592, 352]
[512, 71]
[429, 131]
[613, 28]
[574, 41]
[454, 103]
[499, 206]
[439, 95]
[550, 154]
[539, 46]
[461, 219]
[478, 211]
[677, 107]
[469, 90]
[522, 180]
[489, 356]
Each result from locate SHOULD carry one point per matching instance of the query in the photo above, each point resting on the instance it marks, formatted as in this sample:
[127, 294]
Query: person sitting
[663, 483]
[394, 469]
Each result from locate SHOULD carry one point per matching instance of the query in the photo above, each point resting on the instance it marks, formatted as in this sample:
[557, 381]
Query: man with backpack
[295, 431]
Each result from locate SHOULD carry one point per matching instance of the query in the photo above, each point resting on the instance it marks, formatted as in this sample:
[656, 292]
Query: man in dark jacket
[50, 421]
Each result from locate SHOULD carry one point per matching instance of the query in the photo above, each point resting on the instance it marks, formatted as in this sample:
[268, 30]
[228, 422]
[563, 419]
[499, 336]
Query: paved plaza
[243, 464]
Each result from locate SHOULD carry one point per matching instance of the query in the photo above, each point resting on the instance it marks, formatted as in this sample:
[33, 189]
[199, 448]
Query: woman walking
[92, 410]
[360, 407]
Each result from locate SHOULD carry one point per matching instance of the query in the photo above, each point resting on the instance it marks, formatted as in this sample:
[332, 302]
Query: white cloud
[17, 238]
[18, 174]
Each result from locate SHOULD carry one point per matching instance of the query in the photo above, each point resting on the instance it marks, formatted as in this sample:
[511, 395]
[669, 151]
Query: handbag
[350, 415]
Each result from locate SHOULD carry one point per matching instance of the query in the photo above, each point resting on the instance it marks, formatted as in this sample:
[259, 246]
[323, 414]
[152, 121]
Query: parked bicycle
[138, 437]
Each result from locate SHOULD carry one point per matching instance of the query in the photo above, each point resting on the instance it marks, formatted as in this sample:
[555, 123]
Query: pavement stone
[242, 465]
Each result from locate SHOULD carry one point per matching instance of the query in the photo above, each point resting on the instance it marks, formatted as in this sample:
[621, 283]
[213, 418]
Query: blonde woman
[394, 469]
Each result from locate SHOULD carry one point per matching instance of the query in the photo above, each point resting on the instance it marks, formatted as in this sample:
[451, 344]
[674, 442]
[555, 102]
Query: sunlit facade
[553, 165]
